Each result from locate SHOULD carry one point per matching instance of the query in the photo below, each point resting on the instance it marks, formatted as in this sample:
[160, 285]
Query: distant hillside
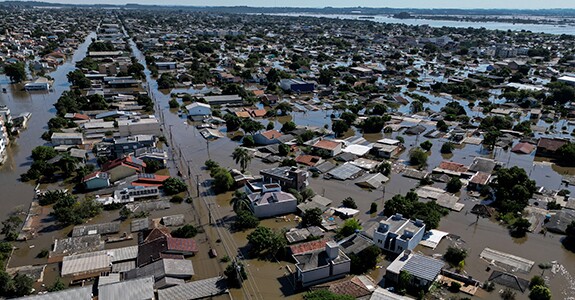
[569, 13]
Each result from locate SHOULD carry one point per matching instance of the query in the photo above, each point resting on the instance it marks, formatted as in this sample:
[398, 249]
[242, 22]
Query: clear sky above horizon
[517, 4]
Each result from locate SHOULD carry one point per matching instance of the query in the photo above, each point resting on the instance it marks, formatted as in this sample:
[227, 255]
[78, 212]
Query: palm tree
[240, 201]
[242, 157]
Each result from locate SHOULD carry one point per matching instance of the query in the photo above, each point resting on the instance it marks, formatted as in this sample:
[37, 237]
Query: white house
[397, 234]
[321, 265]
[67, 138]
[137, 126]
[271, 201]
[199, 111]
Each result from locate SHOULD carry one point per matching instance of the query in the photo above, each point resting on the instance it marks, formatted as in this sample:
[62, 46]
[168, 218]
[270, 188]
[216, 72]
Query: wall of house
[341, 268]
[130, 129]
[200, 111]
[96, 183]
[417, 237]
[311, 276]
[275, 209]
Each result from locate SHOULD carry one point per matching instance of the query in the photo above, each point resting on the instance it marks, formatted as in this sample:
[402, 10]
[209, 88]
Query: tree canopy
[513, 189]
[410, 207]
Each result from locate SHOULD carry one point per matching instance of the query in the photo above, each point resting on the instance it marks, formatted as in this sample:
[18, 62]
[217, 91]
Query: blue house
[96, 180]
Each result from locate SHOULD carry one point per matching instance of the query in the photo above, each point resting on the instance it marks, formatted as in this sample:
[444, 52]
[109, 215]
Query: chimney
[332, 250]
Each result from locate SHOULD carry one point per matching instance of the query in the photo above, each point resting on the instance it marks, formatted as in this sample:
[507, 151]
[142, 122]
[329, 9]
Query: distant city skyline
[468, 4]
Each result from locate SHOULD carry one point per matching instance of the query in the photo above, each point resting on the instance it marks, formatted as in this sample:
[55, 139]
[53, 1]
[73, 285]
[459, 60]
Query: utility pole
[198, 184]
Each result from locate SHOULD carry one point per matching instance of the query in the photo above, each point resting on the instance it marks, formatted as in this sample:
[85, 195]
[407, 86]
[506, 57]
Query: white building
[137, 126]
[67, 138]
[397, 234]
[198, 110]
[271, 201]
[4, 141]
[321, 265]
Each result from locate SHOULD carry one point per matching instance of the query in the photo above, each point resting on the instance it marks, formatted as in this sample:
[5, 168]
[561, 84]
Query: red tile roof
[258, 113]
[182, 245]
[453, 166]
[309, 160]
[308, 247]
[550, 144]
[524, 148]
[326, 144]
[271, 134]
[480, 178]
[243, 114]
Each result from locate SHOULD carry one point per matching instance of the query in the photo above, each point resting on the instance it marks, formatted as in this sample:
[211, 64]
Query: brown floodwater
[40, 103]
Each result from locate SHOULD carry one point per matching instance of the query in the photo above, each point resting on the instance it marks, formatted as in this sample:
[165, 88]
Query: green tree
[242, 157]
[174, 186]
[245, 219]
[379, 109]
[284, 108]
[288, 127]
[513, 189]
[233, 122]
[125, 213]
[508, 294]
[373, 208]
[187, 231]
[174, 103]
[325, 295]
[248, 141]
[307, 194]
[418, 157]
[16, 72]
[270, 126]
[442, 126]
[11, 227]
[312, 217]
[455, 255]
[426, 145]
[535, 281]
[490, 138]
[520, 227]
[416, 106]
[223, 180]
[339, 127]
[404, 281]
[235, 274]
[43, 153]
[251, 126]
[540, 293]
[57, 286]
[384, 168]
[454, 185]
[349, 227]
[349, 203]
[447, 148]
[266, 241]
[22, 285]
[566, 154]
[240, 201]
[284, 149]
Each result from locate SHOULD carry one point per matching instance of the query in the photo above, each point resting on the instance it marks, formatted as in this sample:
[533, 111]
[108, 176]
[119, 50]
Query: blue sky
[521, 4]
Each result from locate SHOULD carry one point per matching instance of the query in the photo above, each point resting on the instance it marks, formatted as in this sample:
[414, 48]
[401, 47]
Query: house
[332, 148]
[199, 111]
[152, 154]
[271, 201]
[316, 201]
[130, 144]
[79, 293]
[123, 167]
[224, 100]
[321, 265]
[166, 272]
[567, 79]
[423, 269]
[159, 244]
[67, 138]
[150, 180]
[451, 168]
[358, 287]
[478, 181]
[481, 164]
[197, 289]
[267, 137]
[308, 160]
[135, 289]
[136, 126]
[372, 180]
[387, 148]
[96, 180]
[523, 148]
[548, 146]
[286, 177]
[166, 65]
[297, 86]
[397, 234]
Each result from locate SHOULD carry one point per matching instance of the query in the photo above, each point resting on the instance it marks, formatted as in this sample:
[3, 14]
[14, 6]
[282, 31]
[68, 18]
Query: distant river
[551, 29]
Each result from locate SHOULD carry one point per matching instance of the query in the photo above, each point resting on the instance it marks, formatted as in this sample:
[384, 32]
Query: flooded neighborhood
[187, 152]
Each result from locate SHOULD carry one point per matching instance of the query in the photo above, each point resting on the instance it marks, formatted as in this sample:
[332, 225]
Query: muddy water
[40, 104]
